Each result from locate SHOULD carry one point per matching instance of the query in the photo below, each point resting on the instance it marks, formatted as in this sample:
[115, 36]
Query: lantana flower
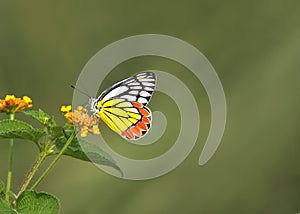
[11, 104]
[80, 118]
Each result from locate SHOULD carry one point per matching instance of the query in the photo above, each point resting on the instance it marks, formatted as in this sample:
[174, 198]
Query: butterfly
[123, 106]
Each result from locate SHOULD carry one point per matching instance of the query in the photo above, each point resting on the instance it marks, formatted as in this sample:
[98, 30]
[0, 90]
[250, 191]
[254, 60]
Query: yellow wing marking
[134, 115]
[134, 121]
[109, 122]
[124, 104]
[108, 103]
[118, 114]
[126, 121]
[116, 111]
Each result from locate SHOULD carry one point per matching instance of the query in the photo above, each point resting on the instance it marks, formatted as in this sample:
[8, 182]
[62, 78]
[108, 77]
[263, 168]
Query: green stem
[10, 160]
[54, 161]
[33, 170]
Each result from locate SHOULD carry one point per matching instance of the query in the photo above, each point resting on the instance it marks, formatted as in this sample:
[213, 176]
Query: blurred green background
[254, 47]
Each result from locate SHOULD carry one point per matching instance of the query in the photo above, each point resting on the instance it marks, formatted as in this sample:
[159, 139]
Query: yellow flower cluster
[11, 104]
[80, 118]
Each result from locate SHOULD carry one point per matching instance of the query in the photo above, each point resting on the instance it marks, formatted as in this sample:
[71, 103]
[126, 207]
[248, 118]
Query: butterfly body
[123, 106]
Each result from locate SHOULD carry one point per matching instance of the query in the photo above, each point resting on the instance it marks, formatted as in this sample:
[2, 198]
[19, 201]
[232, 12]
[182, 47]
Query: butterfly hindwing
[131, 120]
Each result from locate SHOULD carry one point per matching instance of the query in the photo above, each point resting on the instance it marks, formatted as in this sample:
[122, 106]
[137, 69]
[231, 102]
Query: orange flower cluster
[80, 118]
[11, 104]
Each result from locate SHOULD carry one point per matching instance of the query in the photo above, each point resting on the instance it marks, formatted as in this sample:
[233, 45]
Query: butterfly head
[93, 106]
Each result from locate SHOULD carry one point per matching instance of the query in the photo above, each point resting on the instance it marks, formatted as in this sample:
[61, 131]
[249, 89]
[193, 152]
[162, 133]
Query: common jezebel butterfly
[123, 106]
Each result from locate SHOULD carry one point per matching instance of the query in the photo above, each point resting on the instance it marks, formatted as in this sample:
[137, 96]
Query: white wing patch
[142, 100]
[148, 84]
[149, 89]
[138, 87]
[148, 80]
[134, 83]
[145, 94]
[115, 92]
[129, 97]
[134, 92]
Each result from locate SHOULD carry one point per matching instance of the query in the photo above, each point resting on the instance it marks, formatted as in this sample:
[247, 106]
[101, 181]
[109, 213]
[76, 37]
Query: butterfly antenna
[72, 86]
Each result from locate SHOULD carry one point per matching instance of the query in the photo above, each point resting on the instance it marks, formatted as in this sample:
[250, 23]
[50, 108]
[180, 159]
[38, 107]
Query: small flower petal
[95, 129]
[27, 99]
[66, 108]
[69, 116]
[10, 97]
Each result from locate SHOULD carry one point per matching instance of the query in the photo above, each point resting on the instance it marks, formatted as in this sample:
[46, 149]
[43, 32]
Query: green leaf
[40, 116]
[5, 208]
[18, 129]
[90, 152]
[69, 127]
[55, 132]
[31, 202]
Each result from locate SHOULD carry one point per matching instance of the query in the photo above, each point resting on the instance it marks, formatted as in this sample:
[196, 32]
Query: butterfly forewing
[138, 87]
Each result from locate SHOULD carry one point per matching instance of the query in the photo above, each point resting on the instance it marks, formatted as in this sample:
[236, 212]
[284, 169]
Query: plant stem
[31, 173]
[54, 161]
[10, 160]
